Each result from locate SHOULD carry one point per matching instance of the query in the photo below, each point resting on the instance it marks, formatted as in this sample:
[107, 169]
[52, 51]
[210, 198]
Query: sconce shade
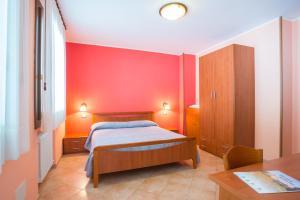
[83, 107]
[166, 106]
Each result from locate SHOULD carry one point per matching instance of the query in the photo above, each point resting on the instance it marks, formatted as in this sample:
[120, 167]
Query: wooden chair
[239, 156]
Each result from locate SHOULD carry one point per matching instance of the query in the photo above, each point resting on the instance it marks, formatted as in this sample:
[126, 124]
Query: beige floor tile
[172, 181]
[143, 195]
[174, 191]
[180, 179]
[198, 194]
[77, 180]
[154, 184]
[199, 182]
[84, 195]
[49, 185]
[60, 193]
[121, 191]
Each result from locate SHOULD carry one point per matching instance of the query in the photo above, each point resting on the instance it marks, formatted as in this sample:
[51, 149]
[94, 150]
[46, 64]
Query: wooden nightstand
[193, 125]
[74, 144]
[173, 130]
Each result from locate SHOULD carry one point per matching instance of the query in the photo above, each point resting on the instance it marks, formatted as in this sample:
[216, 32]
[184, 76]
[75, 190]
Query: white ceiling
[136, 24]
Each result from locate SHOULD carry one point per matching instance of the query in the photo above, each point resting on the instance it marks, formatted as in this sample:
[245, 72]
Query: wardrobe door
[206, 104]
[223, 99]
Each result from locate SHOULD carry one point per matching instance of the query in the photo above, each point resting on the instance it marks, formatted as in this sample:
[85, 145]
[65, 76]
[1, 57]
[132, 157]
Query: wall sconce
[83, 110]
[166, 108]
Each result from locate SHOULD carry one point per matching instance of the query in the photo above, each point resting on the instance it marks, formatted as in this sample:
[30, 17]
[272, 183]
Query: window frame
[39, 62]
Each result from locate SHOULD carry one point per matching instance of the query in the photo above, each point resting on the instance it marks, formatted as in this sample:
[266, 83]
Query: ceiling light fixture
[173, 11]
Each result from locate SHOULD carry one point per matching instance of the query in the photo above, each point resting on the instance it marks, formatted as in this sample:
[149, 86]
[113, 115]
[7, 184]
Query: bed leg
[195, 154]
[96, 180]
[194, 163]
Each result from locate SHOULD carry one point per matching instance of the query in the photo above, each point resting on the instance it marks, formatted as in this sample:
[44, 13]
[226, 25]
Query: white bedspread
[131, 135]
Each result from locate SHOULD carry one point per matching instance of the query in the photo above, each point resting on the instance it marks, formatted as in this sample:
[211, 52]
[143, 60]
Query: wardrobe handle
[215, 94]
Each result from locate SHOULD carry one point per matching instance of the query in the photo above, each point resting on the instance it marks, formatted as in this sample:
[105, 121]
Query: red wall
[187, 86]
[189, 77]
[113, 79]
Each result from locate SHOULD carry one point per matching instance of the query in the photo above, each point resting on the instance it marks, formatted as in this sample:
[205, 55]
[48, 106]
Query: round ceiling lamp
[173, 11]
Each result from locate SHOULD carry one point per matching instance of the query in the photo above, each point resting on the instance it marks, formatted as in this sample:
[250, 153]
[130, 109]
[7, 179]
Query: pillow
[129, 124]
[141, 123]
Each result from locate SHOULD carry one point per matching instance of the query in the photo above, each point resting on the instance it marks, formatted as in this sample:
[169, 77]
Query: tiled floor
[175, 181]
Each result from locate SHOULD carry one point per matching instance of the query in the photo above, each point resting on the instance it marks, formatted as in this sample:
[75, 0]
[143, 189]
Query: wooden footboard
[108, 159]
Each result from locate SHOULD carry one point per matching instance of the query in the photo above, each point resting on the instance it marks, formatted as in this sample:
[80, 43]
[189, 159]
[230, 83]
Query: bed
[142, 144]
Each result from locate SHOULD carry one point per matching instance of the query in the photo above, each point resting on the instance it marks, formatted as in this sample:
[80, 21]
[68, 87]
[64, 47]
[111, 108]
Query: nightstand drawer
[74, 145]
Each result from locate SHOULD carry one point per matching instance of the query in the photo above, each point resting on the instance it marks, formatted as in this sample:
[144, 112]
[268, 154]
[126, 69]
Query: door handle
[213, 94]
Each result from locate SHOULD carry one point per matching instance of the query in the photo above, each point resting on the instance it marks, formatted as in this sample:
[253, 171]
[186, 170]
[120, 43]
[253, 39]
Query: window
[3, 47]
[59, 60]
[38, 65]
[54, 108]
[59, 69]
[14, 73]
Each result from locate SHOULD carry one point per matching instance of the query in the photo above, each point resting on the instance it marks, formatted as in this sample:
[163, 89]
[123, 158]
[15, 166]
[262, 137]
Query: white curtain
[54, 108]
[59, 68]
[3, 34]
[14, 77]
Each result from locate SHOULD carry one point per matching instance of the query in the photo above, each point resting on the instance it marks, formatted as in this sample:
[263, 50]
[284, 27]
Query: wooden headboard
[122, 116]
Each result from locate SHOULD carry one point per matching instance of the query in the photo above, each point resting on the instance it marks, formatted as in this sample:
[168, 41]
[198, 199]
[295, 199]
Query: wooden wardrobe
[227, 99]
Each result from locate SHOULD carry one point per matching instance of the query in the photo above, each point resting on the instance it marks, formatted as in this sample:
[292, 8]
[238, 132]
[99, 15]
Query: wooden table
[232, 188]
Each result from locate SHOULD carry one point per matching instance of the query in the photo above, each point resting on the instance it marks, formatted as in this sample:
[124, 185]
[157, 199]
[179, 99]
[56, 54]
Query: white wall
[296, 86]
[287, 88]
[266, 41]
